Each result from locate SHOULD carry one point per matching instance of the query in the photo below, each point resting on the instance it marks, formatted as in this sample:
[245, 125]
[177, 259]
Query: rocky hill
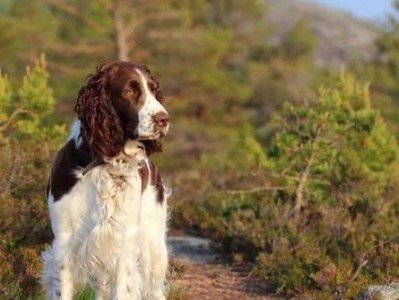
[341, 37]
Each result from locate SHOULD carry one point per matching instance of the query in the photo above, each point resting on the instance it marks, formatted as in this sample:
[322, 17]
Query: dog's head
[121, 101]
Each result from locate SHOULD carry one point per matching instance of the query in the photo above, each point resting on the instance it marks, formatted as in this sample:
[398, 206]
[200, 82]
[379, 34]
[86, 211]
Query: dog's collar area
[94, 163]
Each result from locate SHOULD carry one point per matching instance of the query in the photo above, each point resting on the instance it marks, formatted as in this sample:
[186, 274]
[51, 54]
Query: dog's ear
[101, 128]
[153, 146]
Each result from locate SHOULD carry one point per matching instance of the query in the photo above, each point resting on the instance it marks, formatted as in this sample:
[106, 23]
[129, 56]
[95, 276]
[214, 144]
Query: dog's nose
[162, 119]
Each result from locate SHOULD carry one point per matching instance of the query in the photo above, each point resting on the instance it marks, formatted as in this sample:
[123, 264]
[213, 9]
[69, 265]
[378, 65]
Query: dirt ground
[220, 282]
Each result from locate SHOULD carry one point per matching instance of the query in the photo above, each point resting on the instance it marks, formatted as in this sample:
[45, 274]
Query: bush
[28, 138]
[322, 215]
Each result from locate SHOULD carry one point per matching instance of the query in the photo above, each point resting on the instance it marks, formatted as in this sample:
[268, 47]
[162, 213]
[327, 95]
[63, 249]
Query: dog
[106, 199]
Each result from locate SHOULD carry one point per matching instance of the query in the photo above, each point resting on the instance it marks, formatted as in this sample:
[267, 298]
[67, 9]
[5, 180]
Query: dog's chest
[113, 217]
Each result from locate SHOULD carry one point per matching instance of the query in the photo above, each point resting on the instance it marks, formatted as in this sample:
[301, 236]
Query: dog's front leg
[128, 281]
[58, 271]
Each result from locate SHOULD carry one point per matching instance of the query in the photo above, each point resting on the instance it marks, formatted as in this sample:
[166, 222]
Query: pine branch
[304, 176]
[256, 190]
[11, 119]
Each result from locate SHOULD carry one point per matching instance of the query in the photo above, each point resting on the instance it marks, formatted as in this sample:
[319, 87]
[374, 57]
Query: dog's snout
[162, 119]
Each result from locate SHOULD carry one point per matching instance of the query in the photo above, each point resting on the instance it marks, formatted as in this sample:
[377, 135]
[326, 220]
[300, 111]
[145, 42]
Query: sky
[374, 10]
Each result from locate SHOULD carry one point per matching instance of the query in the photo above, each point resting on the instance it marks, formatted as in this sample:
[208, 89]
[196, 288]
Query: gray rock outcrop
[192, 249]
[381, 292]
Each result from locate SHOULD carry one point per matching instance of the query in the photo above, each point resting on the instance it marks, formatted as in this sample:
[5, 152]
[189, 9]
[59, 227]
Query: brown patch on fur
[101, 127]
[67, 160]
[107, 117]
[155, 180]
[153, 146]
[145, 177]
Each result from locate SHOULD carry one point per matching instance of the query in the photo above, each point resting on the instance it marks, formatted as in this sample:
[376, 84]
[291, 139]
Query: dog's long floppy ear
[101, 128]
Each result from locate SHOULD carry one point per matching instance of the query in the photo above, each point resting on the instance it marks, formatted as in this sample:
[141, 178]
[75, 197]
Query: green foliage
[282, 72]
[382, 72]
[35, 87]
[308, 197]
[246, 152]
[36, 101]
[26, 113]
[337, 158]
[86, 294]
[339, 144]
[5, 100]
[28, 139]
[299, 42]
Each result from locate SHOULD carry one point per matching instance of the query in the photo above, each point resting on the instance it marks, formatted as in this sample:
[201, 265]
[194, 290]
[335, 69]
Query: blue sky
[366, 9]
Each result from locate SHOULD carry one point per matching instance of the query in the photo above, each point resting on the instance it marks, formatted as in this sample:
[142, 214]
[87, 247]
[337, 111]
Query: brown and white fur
[106, 200]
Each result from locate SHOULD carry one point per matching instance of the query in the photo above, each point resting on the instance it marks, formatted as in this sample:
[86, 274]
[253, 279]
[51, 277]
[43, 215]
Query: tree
[27, 112]
[337, 151]
[28, 138]
[327, 229]
[282, 72]
[382, 73]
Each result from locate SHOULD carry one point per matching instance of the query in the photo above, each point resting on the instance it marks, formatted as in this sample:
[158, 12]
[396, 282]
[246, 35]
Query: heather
[290, 165]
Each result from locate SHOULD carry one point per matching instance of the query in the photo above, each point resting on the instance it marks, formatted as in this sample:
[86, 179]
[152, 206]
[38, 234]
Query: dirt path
[216, 281]
[202, 276]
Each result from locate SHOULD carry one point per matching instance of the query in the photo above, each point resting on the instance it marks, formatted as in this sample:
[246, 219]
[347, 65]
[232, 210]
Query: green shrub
[28, 138]
[322, 215]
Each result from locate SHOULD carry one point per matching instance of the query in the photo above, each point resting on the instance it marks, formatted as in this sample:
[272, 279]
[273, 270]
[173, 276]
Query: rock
[340, 36]
[381, 292]
[192, 249]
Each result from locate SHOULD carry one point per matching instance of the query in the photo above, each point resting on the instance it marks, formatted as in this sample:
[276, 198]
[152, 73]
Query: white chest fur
[109, 233]
[113, 221]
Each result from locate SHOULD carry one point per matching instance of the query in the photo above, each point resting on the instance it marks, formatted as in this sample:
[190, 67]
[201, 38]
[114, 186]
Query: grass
[86, 294]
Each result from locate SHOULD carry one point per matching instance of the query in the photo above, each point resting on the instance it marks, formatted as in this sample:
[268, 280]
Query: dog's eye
[132, 89]
[130, 92]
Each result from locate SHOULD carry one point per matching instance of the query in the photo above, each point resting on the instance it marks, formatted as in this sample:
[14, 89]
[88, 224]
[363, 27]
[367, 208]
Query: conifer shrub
[28, 139]
[321, 216]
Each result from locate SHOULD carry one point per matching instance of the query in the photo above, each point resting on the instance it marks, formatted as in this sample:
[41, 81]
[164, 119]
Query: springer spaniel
[106, 200]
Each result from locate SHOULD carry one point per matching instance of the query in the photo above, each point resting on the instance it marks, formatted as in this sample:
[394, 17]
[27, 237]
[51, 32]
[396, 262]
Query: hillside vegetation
[290, 166]
[340, 37]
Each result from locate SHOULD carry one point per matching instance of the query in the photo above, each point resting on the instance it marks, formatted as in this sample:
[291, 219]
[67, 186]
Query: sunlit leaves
[355, 155]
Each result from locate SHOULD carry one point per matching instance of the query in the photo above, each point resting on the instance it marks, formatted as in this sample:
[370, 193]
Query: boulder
[380, 292]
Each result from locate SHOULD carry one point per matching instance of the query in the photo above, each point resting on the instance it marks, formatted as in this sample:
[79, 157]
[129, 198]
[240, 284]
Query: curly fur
[101, 128]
